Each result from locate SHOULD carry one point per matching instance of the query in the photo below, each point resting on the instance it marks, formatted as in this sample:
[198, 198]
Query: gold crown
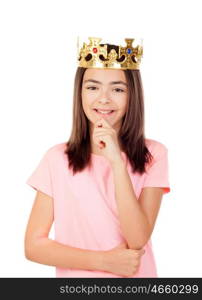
[96, 55]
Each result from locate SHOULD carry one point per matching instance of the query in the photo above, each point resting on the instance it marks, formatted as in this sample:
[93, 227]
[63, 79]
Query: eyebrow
[112, 82]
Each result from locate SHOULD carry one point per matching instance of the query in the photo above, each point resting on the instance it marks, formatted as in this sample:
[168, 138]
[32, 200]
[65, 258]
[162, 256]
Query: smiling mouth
[104, 113]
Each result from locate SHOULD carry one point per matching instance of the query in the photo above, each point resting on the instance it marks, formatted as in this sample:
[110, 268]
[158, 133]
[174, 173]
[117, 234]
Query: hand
[105, 137]
[122, 261]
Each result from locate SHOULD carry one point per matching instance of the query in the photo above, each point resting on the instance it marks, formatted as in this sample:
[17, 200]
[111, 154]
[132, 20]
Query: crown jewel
[96, 55]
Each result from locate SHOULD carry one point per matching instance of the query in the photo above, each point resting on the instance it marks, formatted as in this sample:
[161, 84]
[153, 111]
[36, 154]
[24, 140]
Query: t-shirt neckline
[104, 158]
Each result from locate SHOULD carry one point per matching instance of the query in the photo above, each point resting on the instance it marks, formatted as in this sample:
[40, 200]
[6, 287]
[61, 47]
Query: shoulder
[55, 151]
[156, 148]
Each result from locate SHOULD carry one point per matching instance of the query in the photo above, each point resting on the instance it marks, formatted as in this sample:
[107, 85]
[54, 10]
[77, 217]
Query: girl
[103, 188]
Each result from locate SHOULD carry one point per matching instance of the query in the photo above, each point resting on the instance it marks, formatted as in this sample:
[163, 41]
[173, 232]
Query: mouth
[104, 112]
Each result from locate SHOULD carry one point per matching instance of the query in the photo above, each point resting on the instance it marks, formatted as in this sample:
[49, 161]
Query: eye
[121, 91]
[91, 88]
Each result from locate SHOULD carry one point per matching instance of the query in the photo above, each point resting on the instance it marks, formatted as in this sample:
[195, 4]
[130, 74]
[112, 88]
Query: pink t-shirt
[85, 210]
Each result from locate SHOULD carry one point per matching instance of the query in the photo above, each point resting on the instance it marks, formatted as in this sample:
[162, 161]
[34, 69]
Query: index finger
[140, 252]
[103, 122]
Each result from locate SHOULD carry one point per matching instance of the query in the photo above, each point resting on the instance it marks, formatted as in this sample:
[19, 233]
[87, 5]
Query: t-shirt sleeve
[157, 174]
[40, 179]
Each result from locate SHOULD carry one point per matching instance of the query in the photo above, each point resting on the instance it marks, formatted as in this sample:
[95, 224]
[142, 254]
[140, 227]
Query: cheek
[123, 104]
[87, 102]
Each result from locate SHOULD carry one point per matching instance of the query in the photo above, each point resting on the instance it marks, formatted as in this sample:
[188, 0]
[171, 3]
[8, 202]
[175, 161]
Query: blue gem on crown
[129, 51]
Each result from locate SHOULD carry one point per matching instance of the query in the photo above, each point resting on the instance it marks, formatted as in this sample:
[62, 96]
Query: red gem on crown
[94, 50]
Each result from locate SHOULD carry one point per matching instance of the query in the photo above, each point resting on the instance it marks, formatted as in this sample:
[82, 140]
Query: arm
[41, 249]
[137, 217]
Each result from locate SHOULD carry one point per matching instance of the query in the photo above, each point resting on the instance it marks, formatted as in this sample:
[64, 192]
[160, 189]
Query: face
[104, 94]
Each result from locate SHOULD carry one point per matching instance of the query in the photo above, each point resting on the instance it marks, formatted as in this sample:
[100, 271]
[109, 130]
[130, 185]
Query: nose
[104, 98]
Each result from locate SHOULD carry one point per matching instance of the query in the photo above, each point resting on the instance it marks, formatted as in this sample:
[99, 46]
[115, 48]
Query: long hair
[131, 134]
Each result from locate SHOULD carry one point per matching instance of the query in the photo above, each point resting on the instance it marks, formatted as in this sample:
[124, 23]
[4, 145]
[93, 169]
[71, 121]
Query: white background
[37, 66]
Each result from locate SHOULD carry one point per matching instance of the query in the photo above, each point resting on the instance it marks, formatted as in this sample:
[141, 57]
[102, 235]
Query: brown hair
[131, 134]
